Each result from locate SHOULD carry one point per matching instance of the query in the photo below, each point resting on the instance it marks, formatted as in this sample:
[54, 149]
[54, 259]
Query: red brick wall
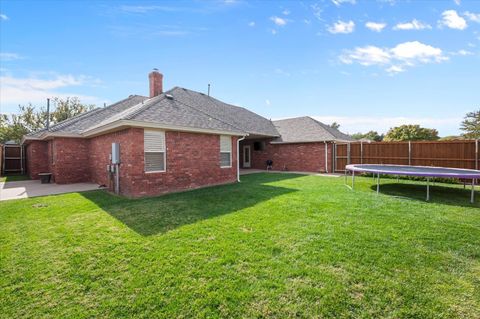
[71, 158]
[303, 157]
[193, 160]
[37, 158]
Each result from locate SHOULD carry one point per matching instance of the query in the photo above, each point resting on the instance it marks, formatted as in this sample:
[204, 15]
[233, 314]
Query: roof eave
[142, 124]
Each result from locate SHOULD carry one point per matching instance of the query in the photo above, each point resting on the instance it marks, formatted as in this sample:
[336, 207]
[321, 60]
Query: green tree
[335, 125]
[67, 108]
[471, 125]
[370, 135]
[411, 133]
[29, 119]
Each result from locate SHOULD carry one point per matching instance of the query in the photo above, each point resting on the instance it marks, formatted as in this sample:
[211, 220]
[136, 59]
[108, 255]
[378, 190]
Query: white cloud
[375, 26]
[3, 17]
[413, 25]
[369, 55]
[462, 53]
[267, 102]
[457, 2]
[342, 27]
[8, 56]
[286, 12]
[475, 17]
[279, 21]
[34, 89]
[394, 69]
[340, 2]
[451, 19]
[354, 124]
[317, 11]
[396, 59]
[251, 24]
[273, 31]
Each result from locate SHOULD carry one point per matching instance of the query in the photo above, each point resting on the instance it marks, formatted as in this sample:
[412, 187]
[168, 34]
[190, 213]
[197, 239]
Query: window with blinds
[225, 151]
[155, 150]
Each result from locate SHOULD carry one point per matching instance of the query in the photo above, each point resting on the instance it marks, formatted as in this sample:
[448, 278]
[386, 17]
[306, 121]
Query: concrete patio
[25, 189]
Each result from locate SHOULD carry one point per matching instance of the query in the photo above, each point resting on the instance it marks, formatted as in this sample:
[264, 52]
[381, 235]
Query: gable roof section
[178, 108]
[237, 116]
[305, 129]
[78, 124]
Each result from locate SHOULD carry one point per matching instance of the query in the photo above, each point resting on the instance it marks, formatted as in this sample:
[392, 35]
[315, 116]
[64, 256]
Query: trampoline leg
[353, 178]
[378, 183]
[428, 189]
[345, 176]
[472, 197]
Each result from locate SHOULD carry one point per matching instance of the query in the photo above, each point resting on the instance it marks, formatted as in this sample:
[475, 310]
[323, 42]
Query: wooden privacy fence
[459, 154]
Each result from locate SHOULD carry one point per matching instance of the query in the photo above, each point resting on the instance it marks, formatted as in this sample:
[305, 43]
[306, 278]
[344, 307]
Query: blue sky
[365, 64]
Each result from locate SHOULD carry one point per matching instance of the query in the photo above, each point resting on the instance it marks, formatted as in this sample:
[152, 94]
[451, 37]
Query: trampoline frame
[370, 168]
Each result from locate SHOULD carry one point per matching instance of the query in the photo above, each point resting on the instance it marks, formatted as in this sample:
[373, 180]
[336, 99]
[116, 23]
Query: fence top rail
[406, 142]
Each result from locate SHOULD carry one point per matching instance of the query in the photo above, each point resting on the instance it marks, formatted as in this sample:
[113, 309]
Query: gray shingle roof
[184, 108]
[180, 107]
[306, 129]
[85, 121]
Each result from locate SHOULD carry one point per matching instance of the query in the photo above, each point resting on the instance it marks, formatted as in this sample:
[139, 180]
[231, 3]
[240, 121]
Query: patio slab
[25, 189]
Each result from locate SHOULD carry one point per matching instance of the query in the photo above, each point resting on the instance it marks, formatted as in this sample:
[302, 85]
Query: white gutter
[238, 157]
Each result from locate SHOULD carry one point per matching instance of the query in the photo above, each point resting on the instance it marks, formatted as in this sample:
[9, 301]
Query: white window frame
[160, 133]
[224, 151]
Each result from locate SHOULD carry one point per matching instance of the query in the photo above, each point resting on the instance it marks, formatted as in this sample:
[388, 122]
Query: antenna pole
[208, 89]
[48, 114]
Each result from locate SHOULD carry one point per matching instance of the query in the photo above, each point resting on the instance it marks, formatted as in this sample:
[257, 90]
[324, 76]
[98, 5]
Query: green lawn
[276, 245]
[13, 178]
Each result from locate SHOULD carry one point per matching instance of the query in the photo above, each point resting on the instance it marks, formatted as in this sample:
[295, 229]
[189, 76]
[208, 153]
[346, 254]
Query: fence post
[361, 152]
[409, 153]
[476, 154]
[348, 153]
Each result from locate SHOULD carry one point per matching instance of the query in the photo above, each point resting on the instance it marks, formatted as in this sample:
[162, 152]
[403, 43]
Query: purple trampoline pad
[425, 171]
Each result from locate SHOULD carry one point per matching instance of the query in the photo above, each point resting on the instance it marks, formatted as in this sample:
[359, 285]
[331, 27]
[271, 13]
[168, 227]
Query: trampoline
[421, 171]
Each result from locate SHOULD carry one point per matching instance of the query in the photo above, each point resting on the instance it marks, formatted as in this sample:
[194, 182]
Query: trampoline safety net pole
[378, 183]
[428, 189]
[472, 197]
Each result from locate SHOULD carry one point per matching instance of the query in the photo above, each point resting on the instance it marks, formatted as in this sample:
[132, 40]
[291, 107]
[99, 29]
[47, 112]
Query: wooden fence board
[459, 154]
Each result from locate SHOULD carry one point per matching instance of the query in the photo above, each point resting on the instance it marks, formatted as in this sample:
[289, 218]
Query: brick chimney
[156, 83]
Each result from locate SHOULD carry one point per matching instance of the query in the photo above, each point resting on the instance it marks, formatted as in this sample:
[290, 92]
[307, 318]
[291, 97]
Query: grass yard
[276, 245]
[13, 178]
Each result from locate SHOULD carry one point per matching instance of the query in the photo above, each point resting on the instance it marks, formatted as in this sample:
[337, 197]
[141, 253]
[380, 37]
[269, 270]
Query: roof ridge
[150, 103]
[203, 112]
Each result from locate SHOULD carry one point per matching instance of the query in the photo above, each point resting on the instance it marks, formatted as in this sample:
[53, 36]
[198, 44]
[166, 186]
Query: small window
[155, 150]
[258, 146]
[225, 151]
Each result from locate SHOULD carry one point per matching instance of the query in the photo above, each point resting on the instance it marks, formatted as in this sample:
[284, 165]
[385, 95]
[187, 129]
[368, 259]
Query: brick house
[175, 140]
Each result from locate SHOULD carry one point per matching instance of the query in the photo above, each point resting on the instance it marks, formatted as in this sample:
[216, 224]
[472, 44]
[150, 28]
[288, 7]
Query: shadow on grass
[441, 194]
[156, 215]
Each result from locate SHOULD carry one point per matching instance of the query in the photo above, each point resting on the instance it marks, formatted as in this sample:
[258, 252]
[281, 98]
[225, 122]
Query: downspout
[238, 157]
[326, 156]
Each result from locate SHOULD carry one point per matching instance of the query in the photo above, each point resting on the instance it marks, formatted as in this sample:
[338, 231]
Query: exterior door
[246, 156]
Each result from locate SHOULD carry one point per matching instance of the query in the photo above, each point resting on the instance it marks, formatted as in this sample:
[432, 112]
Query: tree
[471, 125]
[30, 120]
[335, 125]
[371, 135]
[411, 133]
